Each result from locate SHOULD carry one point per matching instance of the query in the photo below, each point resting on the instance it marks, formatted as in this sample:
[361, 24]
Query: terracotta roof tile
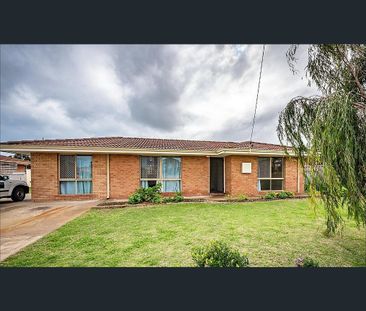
[14, 160]
[147, 143]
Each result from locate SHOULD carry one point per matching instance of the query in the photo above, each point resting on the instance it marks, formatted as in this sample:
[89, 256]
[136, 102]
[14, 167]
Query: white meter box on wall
[246, 168]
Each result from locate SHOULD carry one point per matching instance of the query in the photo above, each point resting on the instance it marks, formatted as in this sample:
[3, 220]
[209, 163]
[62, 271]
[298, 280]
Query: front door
[217, 175]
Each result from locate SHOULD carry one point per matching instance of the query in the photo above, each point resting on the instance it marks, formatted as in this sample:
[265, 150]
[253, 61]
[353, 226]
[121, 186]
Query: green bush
[135, 198]
[178, 197]
[269, 196]
[151, 194]
[281, 195]
[218, 254]
[156, 199]
[290, 194]
[306, 262]
[242, 197]
[175, 199]
[284, 194]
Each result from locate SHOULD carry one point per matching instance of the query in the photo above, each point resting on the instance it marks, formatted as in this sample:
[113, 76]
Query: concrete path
[23, 223]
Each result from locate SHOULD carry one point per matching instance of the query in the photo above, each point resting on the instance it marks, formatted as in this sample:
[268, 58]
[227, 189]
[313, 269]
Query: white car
[14, 188]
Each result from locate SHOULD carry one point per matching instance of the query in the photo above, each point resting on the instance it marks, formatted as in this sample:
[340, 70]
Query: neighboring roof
[14, 160]
[134, 143]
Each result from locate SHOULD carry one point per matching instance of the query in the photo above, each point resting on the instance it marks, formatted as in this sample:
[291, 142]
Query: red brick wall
[195, 176]
[228, 174]
[124, 175]
[99, 176]
[291, 176]
[302, 181]
[237, 183]
[44, 176]
[45, 183]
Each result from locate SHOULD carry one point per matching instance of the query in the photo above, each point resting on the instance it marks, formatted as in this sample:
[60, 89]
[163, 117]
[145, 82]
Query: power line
[256, 101]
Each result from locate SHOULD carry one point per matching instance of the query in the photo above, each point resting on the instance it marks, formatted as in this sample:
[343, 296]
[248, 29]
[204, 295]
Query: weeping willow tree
[328, 132]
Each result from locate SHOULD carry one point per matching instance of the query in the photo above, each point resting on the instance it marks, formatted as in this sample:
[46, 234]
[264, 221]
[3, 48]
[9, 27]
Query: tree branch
[353, 72]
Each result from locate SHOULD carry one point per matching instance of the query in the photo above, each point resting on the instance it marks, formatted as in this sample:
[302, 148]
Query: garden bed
[124, 203]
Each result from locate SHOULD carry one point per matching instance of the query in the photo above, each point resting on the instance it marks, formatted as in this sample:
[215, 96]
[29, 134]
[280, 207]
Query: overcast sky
[164, 91]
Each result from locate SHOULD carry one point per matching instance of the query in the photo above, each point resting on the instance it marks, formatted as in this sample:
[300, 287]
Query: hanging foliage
[328, 132]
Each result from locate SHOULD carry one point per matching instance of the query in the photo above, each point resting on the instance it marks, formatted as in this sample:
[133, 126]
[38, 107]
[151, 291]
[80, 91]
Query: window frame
[159, 179]
[75, 180]
[270, 173]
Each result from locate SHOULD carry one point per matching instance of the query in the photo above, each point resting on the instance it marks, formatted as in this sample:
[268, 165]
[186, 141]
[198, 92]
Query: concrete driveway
[23, 223]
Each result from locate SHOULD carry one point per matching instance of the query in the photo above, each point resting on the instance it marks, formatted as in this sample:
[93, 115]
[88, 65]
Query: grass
[272, 234]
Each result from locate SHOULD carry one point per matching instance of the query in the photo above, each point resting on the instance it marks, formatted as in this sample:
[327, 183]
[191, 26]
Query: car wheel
[18, 194]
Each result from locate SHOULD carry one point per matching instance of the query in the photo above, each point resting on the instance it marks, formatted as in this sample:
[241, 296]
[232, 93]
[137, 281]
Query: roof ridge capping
[130, 137]
[116, 137]
[257, 142]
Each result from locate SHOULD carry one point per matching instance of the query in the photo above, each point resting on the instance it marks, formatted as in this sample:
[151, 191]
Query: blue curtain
[84, 167]
[84, 171]
[67, 187]
[171, 168]
[171, 186]
[144, 184]
[84, 187]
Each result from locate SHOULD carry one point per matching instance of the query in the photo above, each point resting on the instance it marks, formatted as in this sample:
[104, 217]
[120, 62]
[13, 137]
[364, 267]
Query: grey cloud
[156, 107]
[239, 129]
[72, 91]
[153, 104]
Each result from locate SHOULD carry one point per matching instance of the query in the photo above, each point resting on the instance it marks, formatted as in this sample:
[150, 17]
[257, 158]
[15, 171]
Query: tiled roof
[147, 143]
[14, 160]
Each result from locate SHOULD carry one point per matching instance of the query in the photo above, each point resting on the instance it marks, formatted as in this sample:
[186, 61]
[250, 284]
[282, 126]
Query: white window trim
[270, 173]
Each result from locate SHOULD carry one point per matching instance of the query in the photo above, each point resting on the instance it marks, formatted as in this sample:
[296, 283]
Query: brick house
[114, 167]
[9, 165]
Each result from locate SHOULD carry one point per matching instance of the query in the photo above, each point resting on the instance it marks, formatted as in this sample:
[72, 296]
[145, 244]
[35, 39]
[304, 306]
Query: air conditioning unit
[246, 168]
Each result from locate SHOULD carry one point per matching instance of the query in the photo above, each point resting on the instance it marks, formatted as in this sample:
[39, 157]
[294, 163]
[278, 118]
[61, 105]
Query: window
[8, 168]
[270, 174]
[164, 170]
[75, 174]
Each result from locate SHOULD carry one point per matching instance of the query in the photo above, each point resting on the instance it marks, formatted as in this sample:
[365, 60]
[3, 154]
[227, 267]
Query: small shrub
[218, 254]
[157, 199]
[151, 194]
[306, 262]
[135, 198]
[178, 197]
[282, 195]
[175, 199]
[167, 200]
[290, 194]
[269, 196]
[242, 197]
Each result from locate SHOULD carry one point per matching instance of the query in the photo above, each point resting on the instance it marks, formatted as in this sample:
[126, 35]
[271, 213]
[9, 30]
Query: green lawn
[272, 234]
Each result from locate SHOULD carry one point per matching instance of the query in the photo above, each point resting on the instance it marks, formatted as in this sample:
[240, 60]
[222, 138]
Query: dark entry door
[216, 175]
